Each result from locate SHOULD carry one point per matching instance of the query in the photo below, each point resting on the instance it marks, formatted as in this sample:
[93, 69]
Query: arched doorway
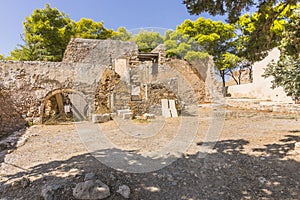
[63, 105]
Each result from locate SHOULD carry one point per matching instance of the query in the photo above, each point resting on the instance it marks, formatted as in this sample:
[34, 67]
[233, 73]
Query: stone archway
[64, 105]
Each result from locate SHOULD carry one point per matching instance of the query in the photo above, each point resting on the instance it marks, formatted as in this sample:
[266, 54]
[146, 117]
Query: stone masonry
[29, 85]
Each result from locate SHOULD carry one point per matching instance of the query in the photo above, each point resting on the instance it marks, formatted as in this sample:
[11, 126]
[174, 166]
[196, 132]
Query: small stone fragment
[91, 190]
[51, 192]
[124, 190]
[90, 176]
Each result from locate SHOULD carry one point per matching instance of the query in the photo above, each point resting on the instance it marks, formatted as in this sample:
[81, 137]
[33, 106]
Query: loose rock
[90, 176]
[124, 190]
[91, 190]
[51, 192]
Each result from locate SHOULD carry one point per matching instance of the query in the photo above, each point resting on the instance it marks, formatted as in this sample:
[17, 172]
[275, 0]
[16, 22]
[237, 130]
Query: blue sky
[131, 14]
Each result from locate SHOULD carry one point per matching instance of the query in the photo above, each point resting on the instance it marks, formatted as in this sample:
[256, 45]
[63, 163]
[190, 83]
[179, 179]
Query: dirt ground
[254, 158]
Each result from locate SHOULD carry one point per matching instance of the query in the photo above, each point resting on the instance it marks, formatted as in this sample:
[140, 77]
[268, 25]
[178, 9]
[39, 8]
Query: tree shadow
[294, 131]
[279, 150]
[228, 172]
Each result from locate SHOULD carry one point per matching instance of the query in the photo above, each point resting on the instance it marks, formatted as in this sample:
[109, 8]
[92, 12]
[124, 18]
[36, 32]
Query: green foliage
[197, 39]
[259, 32]
[262, 31]
[48, 31]
[121, 34]
[178, 44]
[147, 40]
[2, 57]
[213, 36]
[227, 61]
[290, 44]
[286, 71]
[233, 8]
[46, 35]
[196, 55]
[87, 28]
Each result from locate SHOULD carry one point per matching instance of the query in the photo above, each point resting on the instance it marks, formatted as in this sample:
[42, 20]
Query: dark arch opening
[64, 105]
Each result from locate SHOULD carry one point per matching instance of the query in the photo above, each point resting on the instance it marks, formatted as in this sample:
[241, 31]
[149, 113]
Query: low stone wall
[263, 105]
[261, 88]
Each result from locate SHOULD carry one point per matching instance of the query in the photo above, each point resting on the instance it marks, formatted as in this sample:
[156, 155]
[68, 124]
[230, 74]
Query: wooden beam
[60, 103]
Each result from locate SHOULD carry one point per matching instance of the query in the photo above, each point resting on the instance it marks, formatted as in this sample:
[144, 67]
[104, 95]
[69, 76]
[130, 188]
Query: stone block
[127, 115]
[121, 112]
[173, 108]
[165, 108]
[112, 115]
[149, 116]
[100, 118]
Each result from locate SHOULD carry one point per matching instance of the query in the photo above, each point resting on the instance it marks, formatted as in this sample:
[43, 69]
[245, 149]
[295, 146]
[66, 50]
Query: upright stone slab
[173, 108]
[165, 108]
[127, 115]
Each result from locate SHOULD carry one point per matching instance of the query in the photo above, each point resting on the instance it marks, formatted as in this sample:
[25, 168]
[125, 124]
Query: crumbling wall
[152, 104]
[213, 88]
[28, 83]
[97, 51]
[106, 86]
[193, 78]
[10, 118]
[149, 82]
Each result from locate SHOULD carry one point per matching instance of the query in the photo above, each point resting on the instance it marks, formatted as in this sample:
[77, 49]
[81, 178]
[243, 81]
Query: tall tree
[262, 37]
[183, 46]
[48, 31]
[202, 37]
[89, 29]
[147, 40]
[253, 42]
[46, 34]
[233, 8]
[286, 72]
[121, 34]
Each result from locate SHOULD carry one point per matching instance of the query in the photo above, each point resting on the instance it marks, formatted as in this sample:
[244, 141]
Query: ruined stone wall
[213, 87]
[150, 82]
[193, 77]
[10, 119]
[97, 51]
[29, 83]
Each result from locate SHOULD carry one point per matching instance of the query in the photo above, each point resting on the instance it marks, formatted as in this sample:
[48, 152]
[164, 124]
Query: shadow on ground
[225, 173]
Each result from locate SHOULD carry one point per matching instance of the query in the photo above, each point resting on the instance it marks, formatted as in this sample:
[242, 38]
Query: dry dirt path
[254, 158]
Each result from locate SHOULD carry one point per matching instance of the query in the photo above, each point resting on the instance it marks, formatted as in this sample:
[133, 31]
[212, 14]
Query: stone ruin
[109, 77]
[98, 77]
